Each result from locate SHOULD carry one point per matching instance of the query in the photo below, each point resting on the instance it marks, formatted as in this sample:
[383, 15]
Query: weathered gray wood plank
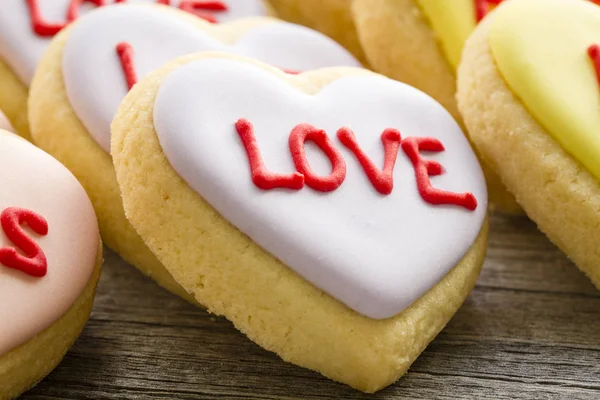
[530, 330]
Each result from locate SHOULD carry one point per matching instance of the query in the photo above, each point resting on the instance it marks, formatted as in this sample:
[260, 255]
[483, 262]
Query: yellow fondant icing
[452, 21]
[540, 48]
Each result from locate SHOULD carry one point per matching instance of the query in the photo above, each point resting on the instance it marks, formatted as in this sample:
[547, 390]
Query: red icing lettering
[426, 168]
[300, 134]
[125, 53]
[382, 180]
[38, 24]
[483, 7]
[594, 53]
[261, 176]
[199, 8]
[44, 28]
[34, 261]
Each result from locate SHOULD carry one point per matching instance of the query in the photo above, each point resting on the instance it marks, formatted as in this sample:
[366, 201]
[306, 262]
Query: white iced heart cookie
[50, 256]
[28, 26]
[97, 79]
[328, 239]
[90, 66]
[270, 205]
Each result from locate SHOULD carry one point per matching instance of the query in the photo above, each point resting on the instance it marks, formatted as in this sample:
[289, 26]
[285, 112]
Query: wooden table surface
[530, 329]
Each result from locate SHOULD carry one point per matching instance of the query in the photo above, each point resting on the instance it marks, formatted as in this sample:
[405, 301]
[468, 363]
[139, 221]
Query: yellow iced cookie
[529, 91]
[90, 66]
[50, 256]
[315, 252]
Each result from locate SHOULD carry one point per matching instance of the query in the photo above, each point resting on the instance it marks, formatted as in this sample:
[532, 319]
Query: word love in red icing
[200, 8]
[48, 29]
[483, 7]
[34, 261]
[594, 53]
[381, 179]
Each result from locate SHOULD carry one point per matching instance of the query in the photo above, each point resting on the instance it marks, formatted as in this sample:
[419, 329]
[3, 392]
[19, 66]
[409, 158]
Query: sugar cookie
[419, 42]
[50, 256]
[331, 17]
[341, 267]
[88, 70]
[541, 138]
[27, 26]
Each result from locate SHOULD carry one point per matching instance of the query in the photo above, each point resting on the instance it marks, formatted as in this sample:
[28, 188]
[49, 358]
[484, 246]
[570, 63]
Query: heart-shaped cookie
[88, 70]
[391, 234]
[94, 76]
[314, 239]
[529, 91]
[27, 26]
[50, 257]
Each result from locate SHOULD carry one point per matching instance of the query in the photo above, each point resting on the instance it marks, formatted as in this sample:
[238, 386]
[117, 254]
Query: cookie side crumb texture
[555, 190]
[266, 300]
[23, 367]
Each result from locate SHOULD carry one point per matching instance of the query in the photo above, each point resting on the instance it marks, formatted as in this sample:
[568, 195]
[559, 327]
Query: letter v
[382, 180]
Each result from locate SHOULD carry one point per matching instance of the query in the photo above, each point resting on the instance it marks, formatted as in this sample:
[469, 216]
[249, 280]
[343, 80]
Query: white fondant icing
[22, 49]
[377, 254]
[94, 78]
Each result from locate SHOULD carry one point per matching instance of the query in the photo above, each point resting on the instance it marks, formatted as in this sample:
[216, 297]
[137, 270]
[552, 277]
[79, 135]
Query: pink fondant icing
[33, 180]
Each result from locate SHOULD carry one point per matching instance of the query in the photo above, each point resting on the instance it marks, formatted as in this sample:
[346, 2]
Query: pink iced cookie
[50, 256]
